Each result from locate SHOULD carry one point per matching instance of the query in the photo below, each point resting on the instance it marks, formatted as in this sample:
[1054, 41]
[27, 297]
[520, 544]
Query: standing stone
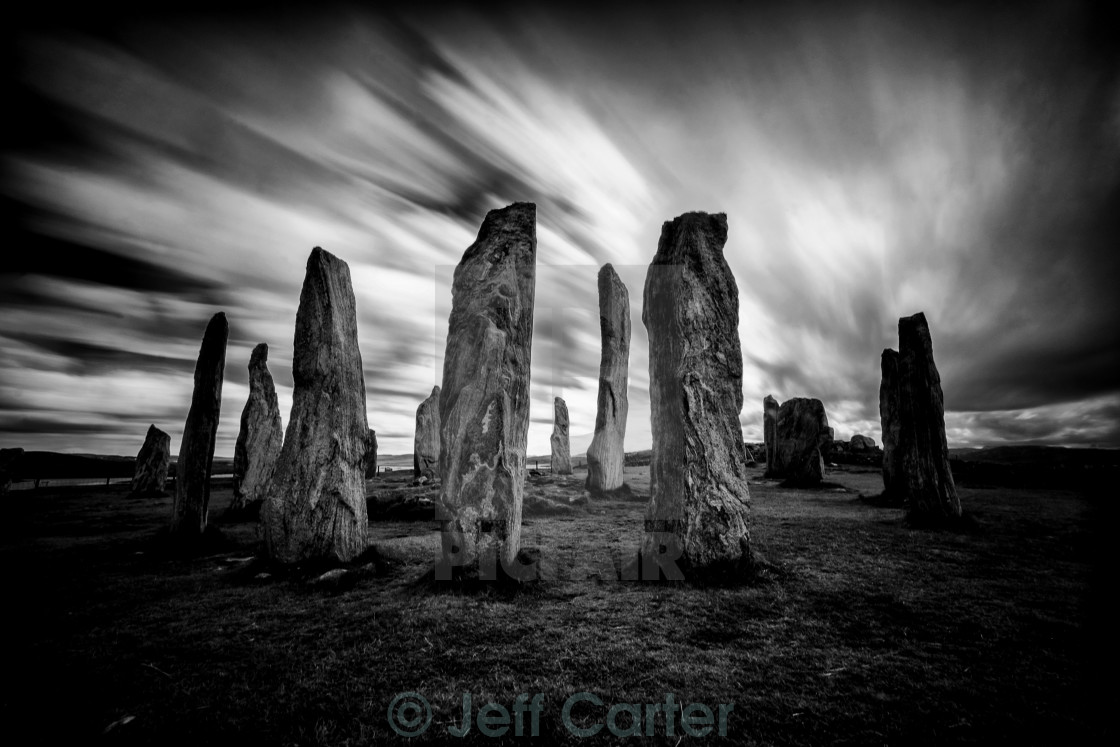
[196, 452]
[371, 455]
[9, 463]
[152, 463]
[425, 447]
[315, 506]
[699, 503]
[930, 493]
[770, 408]
[261, 436]
[893, 477]
[561, 450]
[606, 454]
[801, 435]
[484, 402]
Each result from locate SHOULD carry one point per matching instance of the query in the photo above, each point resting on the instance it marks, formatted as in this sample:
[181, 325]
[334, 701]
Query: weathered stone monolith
[425, 449]
[371, 455]
[261, 436]
[315, 506]
[770, 409]
[152, 464]
[893, 478]
[801, 432]
[9, 463]
[930, 493]
[484, 401]
[606, 454]
[696, 521]
[561, 449]
[196, 451]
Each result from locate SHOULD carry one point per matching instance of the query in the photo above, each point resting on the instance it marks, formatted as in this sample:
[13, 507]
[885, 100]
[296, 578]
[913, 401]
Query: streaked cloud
[873, 159]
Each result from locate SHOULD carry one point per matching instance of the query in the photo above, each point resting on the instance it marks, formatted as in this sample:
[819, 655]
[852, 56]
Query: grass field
[861, 630]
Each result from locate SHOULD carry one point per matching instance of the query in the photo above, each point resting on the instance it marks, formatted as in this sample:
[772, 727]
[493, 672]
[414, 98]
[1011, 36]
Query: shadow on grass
[319, 574]
[751, 570]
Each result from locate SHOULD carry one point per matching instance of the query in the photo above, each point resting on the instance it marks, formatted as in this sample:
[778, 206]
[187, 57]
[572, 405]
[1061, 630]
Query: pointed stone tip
[696, 220]
[918, 319]
[524, 212]
[322, 256]
[435, 390]
[260, 353]
[217, 322]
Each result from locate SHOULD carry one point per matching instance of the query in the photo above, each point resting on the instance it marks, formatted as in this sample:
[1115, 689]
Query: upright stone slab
[371, 455]
[425, 446]
[561, 449]
[697, 515]
[261, 436]
[152, 463]
[9, 464]
[801, 433]
[196, 452]
[893, 477]
[315, 506]
[606, 455]
[931, 494]
[484, 402]
[770, 409]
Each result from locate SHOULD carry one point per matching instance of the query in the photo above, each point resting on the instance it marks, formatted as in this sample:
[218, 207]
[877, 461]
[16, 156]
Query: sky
[873, 159]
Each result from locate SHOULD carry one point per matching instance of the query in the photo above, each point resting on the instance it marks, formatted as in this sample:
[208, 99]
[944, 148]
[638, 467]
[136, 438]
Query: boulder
[606, 456]
[770, 409]
[801, 431]
[315, 505]
[261, 435]
[152, 464]
[696, 521]
[893, 477]
[561, 450]
[196, 451]
[425, 449]
[859, 443]
[484, 400]
[930, 493]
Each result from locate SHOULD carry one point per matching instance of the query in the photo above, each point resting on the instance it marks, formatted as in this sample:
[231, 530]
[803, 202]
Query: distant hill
[1033, 454]
[52, 465]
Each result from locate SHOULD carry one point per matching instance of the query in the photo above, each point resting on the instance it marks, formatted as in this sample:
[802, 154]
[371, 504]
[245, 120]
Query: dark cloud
[85, 357]
[45, 254]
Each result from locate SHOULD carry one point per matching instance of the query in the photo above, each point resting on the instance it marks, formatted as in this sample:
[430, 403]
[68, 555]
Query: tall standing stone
[425, 446]
[315, 505]
[893, 477]
[484, 402]
[801, 436]
[699, 503]
[196, 452]
[931, 494]
[770, 409]
[561, 449]
[606, 455]
[261, 436]
[152, 463]
[371, 455]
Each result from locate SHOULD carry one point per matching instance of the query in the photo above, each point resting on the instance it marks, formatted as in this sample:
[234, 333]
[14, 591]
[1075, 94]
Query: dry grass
[866, 632]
